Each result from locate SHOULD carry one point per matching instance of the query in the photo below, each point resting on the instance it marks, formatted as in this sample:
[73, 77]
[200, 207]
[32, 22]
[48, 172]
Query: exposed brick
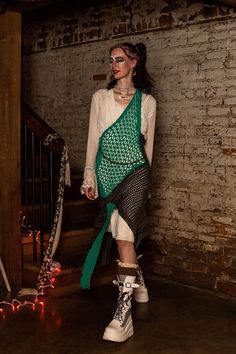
[216, 270]
[233, 263]
[159, 259]
[223, 220]
[231, 242]
[211, 248]
[232, 274]
[205, 281]
[199, 268]
[221, 229]
[193, 185]
[163, 270]
[230, 152]
[222, 260]
[207, 238]
[165, 20]
[228, 287]
[99, 77]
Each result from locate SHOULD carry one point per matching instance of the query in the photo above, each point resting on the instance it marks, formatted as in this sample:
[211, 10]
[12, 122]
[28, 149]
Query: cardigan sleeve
[151, 122]
[90, 179]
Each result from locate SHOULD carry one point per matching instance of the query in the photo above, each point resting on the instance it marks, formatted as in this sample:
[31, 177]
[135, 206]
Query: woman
[119, 155]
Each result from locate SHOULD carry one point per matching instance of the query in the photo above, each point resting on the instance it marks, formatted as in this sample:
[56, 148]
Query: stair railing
[44, 173]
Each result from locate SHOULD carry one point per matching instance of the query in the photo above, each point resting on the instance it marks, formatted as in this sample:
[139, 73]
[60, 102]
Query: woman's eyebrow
[116, 56]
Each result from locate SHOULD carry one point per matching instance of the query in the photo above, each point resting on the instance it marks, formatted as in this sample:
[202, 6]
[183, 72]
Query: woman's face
[121, 65]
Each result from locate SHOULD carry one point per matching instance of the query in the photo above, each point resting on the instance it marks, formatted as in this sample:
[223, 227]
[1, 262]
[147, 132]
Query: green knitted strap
[92, 256]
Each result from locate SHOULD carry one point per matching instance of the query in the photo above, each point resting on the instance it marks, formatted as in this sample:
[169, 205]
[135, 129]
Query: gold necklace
[124, 92]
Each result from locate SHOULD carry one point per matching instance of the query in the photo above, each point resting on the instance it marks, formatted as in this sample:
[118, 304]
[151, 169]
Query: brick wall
[192, 56]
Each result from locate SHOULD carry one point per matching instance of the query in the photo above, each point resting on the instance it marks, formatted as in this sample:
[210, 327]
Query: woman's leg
[126, 252]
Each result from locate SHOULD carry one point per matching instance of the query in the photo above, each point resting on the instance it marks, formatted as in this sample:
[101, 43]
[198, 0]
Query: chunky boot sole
[141, 295]
[115, 333]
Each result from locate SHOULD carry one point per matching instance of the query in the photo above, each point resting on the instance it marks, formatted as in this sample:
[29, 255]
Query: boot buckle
[126, 284]
[131, 285]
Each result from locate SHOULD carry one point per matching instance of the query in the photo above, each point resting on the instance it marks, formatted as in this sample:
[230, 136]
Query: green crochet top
[119, 153]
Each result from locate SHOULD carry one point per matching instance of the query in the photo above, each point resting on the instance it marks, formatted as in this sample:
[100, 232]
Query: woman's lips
[115, 72]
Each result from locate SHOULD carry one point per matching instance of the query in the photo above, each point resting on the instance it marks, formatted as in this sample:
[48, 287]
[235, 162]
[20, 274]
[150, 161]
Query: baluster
[26, 174]
[51, 188]
[41, 228]
[33, 198]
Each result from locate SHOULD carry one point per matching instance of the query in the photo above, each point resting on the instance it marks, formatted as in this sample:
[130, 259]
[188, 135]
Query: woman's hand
[89, 192]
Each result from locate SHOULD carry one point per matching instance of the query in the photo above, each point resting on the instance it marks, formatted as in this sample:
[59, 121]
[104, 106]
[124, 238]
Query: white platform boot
[140, 293]
[121, 327]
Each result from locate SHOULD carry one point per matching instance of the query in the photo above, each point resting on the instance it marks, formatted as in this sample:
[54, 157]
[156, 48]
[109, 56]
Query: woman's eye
[117, 60]
[120, 60]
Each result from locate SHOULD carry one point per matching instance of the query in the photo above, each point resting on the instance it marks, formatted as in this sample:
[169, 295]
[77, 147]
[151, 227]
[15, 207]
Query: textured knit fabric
[104, 112]
[130, 197]
[123, 174]
[119, 151]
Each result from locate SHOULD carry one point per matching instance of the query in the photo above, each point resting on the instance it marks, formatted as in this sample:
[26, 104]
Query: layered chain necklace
[124, 93]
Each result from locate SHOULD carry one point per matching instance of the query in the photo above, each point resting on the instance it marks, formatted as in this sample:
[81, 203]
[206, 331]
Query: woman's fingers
[89, 192]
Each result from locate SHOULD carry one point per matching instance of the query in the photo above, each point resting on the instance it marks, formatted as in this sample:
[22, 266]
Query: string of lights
[47, 278]
[49, 266]
[15, 304]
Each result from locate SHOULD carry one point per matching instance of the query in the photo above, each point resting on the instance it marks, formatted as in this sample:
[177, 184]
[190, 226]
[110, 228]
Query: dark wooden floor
[177, 320]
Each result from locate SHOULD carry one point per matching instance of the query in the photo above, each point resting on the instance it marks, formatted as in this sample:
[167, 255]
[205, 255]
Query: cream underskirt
[119, 228]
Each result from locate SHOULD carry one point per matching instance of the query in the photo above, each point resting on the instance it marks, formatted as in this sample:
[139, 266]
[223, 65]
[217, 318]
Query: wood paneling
[10, 69]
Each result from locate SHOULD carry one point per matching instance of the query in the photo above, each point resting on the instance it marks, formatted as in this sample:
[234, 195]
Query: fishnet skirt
[130, 197]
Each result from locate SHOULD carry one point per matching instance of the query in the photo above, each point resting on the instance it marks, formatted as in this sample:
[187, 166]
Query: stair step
[67, 281]
[75, 233]
[67, 275]
[79, 213]
[68, 203]
[72, 244]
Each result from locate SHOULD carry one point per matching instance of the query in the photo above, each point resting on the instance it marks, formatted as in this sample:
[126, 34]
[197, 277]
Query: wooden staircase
[76, 236]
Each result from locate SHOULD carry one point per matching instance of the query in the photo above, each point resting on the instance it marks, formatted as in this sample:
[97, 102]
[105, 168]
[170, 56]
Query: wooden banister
[40, 128]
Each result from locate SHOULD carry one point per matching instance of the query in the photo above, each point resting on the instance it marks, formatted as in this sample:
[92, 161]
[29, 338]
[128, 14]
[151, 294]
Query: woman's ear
[133, 63]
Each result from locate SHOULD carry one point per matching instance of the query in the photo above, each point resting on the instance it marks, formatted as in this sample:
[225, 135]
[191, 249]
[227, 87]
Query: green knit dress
[123, 175]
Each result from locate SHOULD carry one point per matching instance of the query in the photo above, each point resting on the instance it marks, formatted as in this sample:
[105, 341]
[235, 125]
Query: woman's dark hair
[141, 78]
